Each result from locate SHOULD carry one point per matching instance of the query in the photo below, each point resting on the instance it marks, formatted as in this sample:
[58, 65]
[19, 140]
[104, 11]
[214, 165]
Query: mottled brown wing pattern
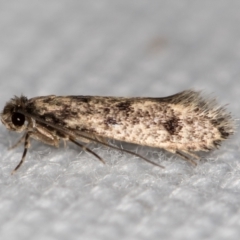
[183, 123]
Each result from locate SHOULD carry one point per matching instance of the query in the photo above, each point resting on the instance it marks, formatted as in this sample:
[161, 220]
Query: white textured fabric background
[122, 48]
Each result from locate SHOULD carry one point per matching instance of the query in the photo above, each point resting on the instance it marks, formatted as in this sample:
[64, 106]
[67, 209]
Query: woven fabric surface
[120, 48]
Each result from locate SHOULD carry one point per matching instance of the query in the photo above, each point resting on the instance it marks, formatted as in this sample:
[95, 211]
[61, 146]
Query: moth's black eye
[18, 119]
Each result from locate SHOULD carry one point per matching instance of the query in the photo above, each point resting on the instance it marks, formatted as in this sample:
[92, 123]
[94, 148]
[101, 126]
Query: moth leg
[26, 146]
[183, 156]
[17, 143]
[44, 135]
[85, 148]
[50, 140]
[186, 157]
[81, 138]
[191, 154]
[64, 143]
[102, 139]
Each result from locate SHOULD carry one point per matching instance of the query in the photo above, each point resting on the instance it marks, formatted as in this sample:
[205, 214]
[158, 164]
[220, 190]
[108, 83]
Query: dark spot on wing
[49, 117]
[85, 99]
[110, 121]
[136, 120]
[172, 126]
[74, 113]
[46, 100]
[124, 106]
[216, 122]
[106, 110]
[224, 133]
[217, 143]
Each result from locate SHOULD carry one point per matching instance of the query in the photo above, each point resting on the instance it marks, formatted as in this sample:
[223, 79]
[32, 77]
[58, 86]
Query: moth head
[11, 118]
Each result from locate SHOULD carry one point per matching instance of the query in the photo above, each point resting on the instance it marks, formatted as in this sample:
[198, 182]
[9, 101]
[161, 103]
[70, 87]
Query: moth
[183, 124]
